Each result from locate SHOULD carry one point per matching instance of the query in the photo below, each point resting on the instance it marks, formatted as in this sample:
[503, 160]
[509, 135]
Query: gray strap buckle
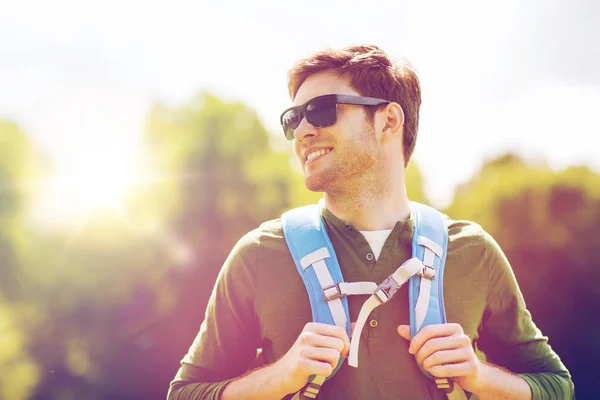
[386, 289]
[332, 292]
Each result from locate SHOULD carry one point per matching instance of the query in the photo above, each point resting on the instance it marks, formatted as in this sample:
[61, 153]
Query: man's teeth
[317, 153]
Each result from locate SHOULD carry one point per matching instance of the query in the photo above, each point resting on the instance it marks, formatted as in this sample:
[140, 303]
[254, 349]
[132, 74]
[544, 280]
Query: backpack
[318, 266]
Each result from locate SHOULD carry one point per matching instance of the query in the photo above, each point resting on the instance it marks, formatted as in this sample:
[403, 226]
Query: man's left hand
[445, 351]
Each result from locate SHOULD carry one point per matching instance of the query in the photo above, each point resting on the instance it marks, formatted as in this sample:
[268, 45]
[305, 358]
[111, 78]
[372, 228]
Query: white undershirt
[376, 240]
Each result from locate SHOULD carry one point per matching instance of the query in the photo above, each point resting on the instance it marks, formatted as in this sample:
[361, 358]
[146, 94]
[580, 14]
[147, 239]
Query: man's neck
[370, 212]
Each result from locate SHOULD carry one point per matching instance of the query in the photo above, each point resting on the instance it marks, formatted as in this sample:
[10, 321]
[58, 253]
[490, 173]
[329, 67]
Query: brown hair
[372, 74]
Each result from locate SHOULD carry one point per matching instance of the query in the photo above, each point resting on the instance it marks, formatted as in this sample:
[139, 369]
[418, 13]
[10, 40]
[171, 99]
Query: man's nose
[305, 130]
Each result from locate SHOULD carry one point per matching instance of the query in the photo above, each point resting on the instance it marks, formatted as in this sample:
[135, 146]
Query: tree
[213, 175]
[18, 372]
[546, 222]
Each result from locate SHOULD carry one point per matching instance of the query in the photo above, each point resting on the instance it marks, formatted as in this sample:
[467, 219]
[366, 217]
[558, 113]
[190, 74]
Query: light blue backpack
[317, 263]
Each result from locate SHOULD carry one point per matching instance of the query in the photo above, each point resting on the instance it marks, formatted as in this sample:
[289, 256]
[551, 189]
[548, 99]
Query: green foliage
[414, 184]
[20, 164]
[547, 224]
[19, 374]
[225, 179]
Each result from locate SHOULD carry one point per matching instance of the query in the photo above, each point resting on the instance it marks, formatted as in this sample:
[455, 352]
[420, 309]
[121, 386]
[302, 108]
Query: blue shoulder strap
[431, 224]
[305, 234]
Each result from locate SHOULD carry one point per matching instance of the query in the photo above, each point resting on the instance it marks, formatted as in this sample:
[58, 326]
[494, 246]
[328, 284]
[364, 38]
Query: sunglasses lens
[322, 111]
[290, 121]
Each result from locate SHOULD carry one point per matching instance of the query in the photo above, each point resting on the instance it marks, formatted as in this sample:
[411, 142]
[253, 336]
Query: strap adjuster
[332, 292]
[427, 273]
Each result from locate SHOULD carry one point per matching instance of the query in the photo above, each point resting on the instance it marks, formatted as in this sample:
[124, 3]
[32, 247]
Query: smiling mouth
[317, 154]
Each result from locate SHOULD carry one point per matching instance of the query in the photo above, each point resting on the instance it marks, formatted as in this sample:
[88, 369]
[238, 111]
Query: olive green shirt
[260, 301]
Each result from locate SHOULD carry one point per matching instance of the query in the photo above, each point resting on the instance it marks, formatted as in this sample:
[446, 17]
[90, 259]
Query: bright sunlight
[84, 186]
[98, 186]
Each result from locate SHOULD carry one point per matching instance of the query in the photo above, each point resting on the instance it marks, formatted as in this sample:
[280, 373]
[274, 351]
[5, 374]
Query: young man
[356, 155]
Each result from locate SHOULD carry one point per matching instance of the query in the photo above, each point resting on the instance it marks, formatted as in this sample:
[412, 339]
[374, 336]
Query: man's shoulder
[465, 233]
[462, 228]
[263, 242]
[271, 227]
[266, 234]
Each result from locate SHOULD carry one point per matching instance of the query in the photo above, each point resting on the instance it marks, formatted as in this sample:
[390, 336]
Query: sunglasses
[321, 111]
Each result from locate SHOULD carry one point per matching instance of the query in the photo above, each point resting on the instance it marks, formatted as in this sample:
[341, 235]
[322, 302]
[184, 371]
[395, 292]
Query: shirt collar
[405, 228]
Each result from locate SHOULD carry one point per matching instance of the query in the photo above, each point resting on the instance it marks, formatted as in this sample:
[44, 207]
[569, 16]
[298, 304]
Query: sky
[79, 77]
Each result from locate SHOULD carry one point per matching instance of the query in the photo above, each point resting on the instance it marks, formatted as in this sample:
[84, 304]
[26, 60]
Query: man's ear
[393, 122]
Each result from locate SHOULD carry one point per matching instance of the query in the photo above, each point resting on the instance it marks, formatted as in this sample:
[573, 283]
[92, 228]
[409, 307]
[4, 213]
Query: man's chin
[315, 183]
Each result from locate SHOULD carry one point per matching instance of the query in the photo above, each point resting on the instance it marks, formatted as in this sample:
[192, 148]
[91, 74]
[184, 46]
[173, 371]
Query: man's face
[337, 157]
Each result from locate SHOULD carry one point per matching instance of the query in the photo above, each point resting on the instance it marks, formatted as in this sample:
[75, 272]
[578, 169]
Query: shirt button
[373, 323]
[348, 227]
[370, 256]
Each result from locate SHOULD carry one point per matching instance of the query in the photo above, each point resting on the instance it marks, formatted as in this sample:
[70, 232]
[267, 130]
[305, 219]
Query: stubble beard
[355, 175]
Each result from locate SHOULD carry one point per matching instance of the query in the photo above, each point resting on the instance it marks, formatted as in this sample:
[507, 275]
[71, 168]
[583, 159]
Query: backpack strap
[317, 264]
[429, 244]
[426, 296]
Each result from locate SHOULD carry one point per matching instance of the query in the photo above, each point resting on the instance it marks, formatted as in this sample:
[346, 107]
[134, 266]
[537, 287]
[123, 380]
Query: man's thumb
[404, 331]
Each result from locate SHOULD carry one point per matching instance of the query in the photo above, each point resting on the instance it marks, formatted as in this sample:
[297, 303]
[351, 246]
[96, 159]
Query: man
[356, 155]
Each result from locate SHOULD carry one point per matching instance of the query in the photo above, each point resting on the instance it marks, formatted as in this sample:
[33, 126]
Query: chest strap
[383, 293]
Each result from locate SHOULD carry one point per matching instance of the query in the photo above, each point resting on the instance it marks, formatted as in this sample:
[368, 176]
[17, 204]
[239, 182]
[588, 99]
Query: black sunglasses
[321, 111]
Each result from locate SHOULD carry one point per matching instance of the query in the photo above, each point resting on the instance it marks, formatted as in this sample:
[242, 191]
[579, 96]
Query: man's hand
[446, 352]
[317, 351]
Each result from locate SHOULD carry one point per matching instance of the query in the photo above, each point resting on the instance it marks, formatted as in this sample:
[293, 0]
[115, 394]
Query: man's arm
[510, 338]
[497, 383]
[227, 342]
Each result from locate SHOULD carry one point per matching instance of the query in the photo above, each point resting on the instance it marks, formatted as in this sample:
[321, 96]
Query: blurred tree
[231, 178]
[15, 164]
[18, 373]
[15, 152]
[547, 223]
[414, 184]
[215, 176]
